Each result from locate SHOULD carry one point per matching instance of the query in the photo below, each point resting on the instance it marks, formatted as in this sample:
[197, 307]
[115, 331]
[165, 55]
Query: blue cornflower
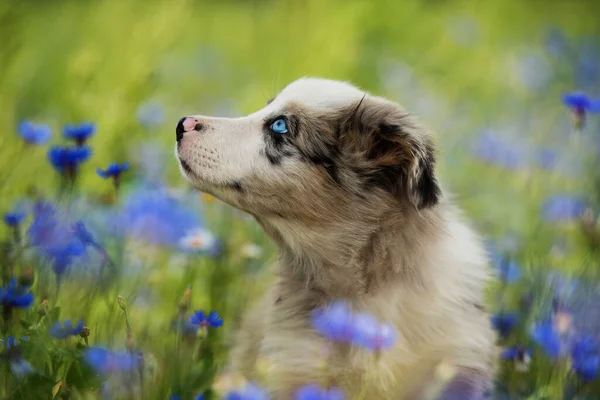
[213, 319]
[20, 367]
[516, 353]
[250, 392]
[497, 151]
[337, 322]
[504, 323]
[12, 295]
[186, 327]
[315, 392]
[586, 367]
[153, 214]
[334, 322]
[106, 361]
[580, 104]
[114, 170]
[9, 343]
[547, 158]
[66, 329]
[66, 159]
[49, 232]
[368, 333]
[547, 337]
[580, 101]
[585, 360]
[505, 269]
[62, 257]
[563, 208]
[82, 233]
[520, 356]
[79, 133]
[14, 219]
[199, 397]
[584, 346]
[33, 133]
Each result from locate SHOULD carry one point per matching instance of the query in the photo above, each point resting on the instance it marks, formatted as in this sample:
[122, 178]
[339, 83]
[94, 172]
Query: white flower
[198, 240]
[251, 250]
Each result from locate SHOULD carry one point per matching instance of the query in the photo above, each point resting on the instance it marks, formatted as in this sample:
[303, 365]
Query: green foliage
[457, 64]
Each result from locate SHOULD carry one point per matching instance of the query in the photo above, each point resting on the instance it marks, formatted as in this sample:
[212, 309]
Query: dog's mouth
[232, 185]
[186, 167]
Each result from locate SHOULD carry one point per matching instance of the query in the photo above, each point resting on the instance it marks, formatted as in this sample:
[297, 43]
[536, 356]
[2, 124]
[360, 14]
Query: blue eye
[279, 126]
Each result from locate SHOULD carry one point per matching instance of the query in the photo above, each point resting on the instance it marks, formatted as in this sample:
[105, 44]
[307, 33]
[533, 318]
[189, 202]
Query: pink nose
[187, 124]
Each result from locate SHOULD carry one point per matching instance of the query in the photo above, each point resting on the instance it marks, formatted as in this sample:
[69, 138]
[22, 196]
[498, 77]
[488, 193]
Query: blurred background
[511, 88]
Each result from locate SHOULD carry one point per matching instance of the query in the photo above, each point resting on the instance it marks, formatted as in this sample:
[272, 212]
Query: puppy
[344, 183]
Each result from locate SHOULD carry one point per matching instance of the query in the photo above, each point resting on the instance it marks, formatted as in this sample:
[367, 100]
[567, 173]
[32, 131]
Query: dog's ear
[398, 153]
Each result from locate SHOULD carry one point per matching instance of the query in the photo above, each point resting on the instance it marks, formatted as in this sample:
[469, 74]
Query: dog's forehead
[314, 92]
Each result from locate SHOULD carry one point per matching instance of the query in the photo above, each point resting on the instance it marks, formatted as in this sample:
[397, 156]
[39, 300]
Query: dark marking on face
[186, 166]
[427, 188]
[274, 159]
[237, 186]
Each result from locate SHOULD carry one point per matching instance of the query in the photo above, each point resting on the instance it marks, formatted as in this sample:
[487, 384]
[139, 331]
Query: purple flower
[586, 367]
[33, 133]
[20, 368]
[106, 361]
[504, 323]
[15, 296]
[334, 321]
[66, 160]
[580, 104]
[82, 233]
[497, 151]
[505, 269]
[114, 170]
[563, 208]
[48, 232]
[62, 257]
[516, 353]
[545, 335]
[315, 392]
[213, 319]
[547, 158]
[585, 360]
[250, 392]
[155, 215]
[14, 219]
[9, 343]
[368, 333]
[337, 322]
[584, 346]
[79, 133]
[66, 329]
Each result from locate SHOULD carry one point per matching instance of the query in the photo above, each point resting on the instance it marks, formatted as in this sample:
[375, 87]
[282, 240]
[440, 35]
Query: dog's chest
[298, 355]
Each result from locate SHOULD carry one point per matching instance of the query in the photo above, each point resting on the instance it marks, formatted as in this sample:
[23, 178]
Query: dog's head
[318, 146]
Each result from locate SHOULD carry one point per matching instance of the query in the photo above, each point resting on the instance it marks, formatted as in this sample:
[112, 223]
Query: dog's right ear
[397, 153]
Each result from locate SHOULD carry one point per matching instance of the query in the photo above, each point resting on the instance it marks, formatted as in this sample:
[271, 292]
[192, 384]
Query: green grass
[69, 61]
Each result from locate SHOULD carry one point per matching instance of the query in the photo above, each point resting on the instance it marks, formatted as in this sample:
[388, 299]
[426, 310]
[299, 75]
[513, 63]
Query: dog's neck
[356, 253]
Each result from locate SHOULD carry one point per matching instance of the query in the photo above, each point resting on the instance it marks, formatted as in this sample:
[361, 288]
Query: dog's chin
[224, 190]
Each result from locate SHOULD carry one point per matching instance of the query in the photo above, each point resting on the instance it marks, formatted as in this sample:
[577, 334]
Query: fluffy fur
[350, 197]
